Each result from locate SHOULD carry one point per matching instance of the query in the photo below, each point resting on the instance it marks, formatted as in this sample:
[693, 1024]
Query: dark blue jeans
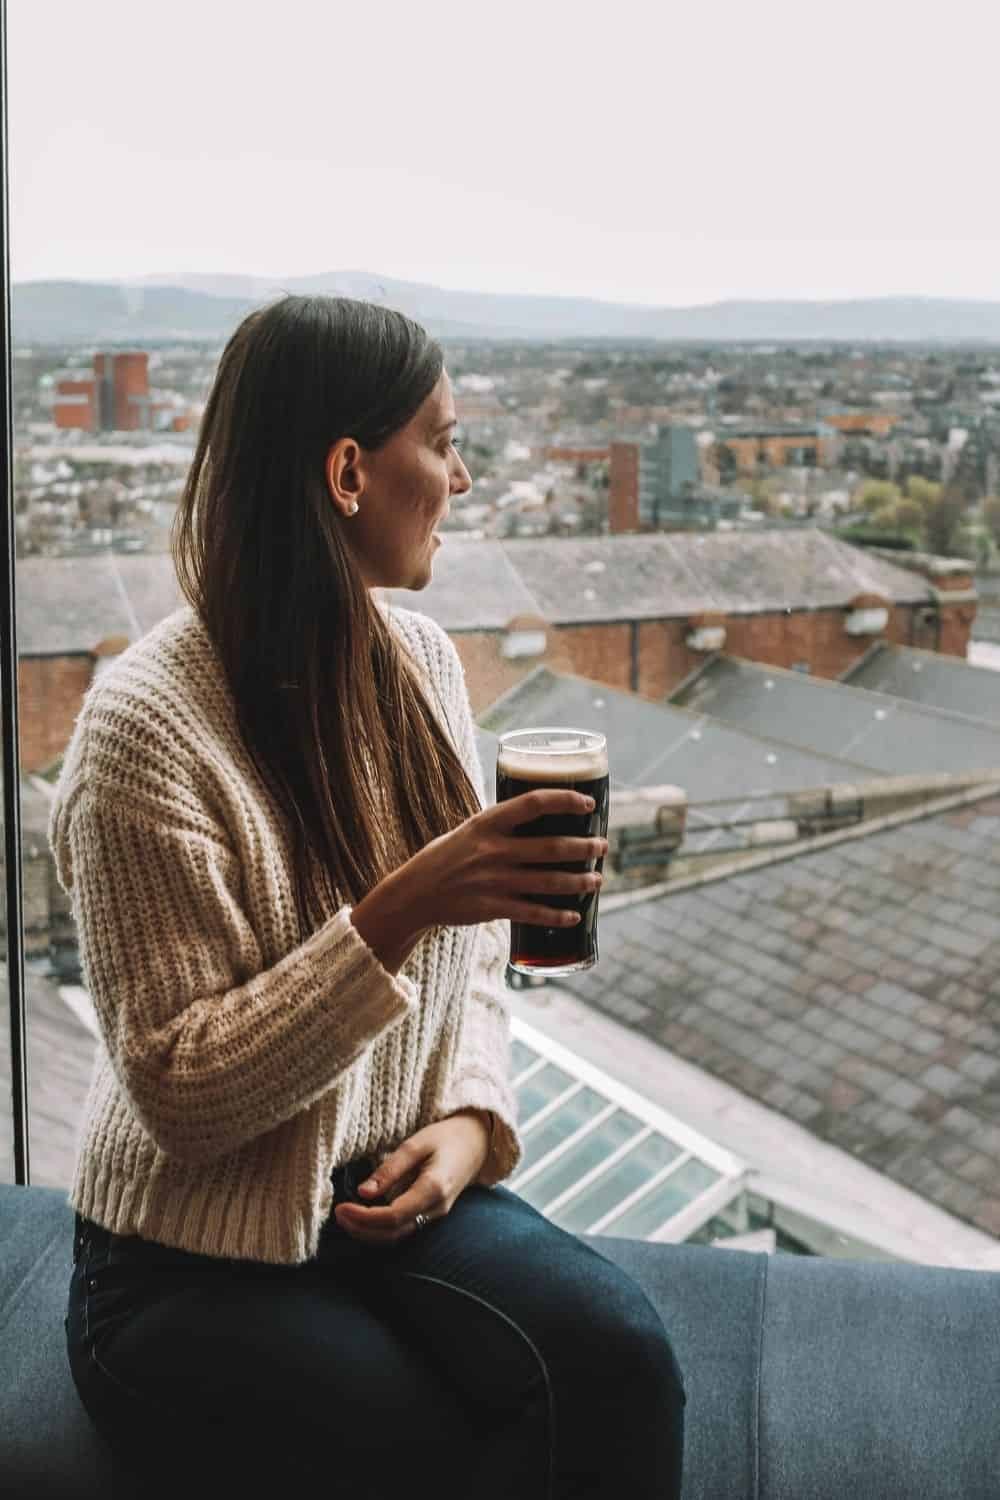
[489, 1355]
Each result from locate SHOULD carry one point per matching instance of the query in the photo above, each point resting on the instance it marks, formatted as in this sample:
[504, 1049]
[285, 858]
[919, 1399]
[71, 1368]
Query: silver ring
[421, 1220]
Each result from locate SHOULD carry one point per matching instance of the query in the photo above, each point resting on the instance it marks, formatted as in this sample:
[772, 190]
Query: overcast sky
[638, 150]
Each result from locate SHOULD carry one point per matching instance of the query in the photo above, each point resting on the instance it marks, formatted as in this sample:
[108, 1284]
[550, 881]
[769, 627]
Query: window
[644, 383]
[600, 1159]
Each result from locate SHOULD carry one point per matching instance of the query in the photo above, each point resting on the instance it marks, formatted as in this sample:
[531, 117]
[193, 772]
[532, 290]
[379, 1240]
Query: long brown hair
[329, 705]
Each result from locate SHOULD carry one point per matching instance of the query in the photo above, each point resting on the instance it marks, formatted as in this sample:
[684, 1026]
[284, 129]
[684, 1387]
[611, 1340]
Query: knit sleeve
[480, 1075]
[212, 1048]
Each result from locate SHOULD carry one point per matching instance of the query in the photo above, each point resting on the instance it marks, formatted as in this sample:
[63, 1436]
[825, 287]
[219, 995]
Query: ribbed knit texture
[241, 1059]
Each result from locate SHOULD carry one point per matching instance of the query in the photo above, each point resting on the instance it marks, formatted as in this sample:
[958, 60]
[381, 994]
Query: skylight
[600, 1159]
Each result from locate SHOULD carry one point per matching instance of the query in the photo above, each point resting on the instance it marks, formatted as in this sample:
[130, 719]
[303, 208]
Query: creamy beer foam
[558, 764]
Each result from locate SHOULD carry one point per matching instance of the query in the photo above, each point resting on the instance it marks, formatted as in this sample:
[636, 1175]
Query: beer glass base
[551, 971]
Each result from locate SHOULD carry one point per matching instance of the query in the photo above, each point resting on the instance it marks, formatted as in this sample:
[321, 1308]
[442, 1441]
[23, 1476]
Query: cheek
[432, 493]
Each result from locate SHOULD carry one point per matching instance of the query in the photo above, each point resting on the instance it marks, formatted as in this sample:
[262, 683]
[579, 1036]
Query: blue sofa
[807, 1379]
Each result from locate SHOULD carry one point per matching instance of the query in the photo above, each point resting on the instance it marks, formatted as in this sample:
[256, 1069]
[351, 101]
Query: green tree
[943, 520]
[910, 516]
[724, 460]
[991, 516]
[877, 495]
[886, 519]
[764, 497]
[923, 491]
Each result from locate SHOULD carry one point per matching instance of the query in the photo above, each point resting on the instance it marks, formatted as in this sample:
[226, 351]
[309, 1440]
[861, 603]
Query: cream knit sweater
[241, 1059]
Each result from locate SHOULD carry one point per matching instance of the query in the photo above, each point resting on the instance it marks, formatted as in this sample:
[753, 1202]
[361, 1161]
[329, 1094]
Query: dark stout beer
[533, 758]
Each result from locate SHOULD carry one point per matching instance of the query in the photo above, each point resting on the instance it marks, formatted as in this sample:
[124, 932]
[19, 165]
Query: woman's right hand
[483, 870]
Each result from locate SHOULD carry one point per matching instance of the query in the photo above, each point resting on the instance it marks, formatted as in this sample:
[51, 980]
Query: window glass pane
[586, 1154]
[663, 1202]
[648, 1158]
[540, 1089]
[521, 1057]
[561, 1125]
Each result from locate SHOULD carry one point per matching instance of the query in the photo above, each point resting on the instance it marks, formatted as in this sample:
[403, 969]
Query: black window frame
[11, 769]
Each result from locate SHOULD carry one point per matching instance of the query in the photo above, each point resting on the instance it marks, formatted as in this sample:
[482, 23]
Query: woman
[290, 903]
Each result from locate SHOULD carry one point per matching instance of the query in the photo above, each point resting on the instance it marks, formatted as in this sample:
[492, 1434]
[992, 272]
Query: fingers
[555, 882]
[560, 851]
[541, 916]
[545, 802]
[386, 1226]
[394, 1172]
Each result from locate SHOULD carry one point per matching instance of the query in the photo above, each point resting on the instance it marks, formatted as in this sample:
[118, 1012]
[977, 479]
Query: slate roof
[855, 989]
[929, 678]
[151, 587]
[71, 604]
[889, 735]
[480, 585]
[650, 744]
[474, 587]
[986, 625]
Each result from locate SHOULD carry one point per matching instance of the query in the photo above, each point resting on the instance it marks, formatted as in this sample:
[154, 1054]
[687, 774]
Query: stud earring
[352, 509]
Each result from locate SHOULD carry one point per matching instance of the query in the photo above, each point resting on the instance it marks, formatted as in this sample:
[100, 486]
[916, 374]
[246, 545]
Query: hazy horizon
[161, 278]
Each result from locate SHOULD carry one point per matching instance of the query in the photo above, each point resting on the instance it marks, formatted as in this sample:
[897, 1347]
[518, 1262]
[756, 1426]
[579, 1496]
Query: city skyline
[666, 161]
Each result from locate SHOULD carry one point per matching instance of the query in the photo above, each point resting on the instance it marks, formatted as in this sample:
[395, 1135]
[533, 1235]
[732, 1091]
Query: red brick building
[75, 403]
[623, 488]
[115, 398]
[568, 453]
[774, 445]
[642, 612]
[123, 380]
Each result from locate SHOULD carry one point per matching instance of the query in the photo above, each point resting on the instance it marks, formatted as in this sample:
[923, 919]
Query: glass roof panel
[664, 1201]
[628, 1174]
[581, 1158]
[540, 1089]
[521, 1057]
[593, 1126]
[548, 1134]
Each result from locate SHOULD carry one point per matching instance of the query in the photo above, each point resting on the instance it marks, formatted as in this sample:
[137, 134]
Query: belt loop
[79, 1238]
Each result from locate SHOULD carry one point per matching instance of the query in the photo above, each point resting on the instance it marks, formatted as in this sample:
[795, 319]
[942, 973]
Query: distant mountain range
[183, 306]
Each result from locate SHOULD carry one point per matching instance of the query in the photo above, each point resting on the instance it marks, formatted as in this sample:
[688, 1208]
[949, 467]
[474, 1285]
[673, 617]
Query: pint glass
[526, 760]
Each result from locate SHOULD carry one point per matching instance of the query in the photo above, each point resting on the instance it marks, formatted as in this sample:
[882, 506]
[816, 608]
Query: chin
[417, 578]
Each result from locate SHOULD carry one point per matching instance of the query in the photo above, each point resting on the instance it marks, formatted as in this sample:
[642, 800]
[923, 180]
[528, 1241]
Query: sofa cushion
[47, 1444]
[807, 1379]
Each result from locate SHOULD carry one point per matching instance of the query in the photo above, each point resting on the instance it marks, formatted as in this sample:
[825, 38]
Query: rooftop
[67, 605]
[653, 743]
[482, 585]
[854, 987]
[71, 604]
[927, 678]
[886, 734]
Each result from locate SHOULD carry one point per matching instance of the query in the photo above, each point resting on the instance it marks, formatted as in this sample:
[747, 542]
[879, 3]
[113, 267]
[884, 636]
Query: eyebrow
[445, 426]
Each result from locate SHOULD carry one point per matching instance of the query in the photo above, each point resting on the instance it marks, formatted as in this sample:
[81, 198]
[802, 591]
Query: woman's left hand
[424, 1175]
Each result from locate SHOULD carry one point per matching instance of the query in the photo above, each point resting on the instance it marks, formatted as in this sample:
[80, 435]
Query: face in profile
[402, 490]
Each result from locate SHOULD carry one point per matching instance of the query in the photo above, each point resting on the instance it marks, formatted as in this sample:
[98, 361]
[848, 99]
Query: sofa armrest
[826, 1379]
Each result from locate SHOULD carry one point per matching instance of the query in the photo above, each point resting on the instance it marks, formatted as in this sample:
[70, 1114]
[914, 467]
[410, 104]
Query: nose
[461, 480]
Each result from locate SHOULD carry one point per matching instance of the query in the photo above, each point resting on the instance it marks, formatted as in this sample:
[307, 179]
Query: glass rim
[508, 740]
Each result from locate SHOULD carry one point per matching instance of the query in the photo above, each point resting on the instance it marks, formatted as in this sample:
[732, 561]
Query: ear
[345, 475]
